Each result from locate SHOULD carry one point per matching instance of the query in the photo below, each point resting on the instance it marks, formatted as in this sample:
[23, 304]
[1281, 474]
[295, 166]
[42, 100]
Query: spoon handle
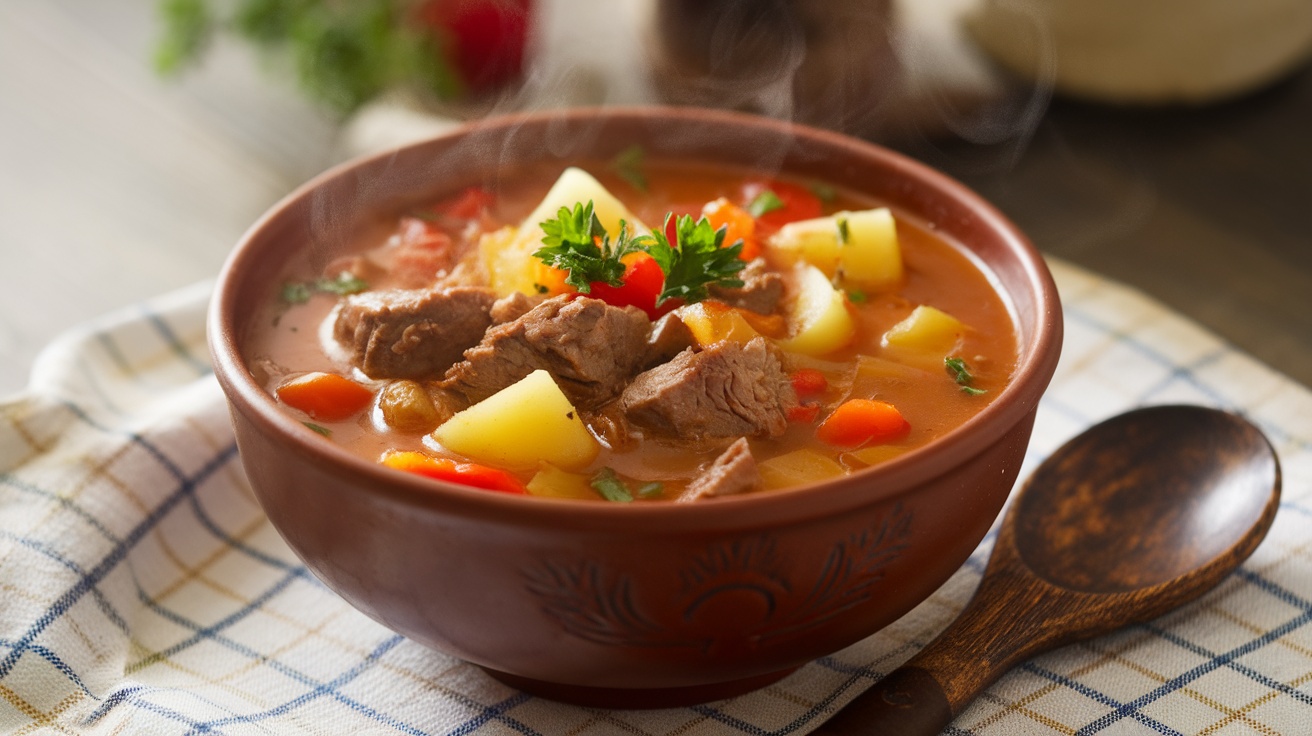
[1006, 622]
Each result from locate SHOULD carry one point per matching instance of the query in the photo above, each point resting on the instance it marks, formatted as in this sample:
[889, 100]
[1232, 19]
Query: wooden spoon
[1136, 516]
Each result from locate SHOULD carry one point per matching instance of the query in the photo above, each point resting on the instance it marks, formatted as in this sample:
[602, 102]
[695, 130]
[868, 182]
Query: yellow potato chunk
[819, 314]
[521, 426]
[798, 467]
[576, 186]
[711, 322]
[509, 261]
[926, 330]
[859, 248]
[508, 253]
[552, 482]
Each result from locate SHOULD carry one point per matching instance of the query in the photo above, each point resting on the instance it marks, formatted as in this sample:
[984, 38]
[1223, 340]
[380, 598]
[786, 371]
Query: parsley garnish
[960, 373]
[766, 201]
[823, 192]
[611, 488]
[296, 292]
[628, 164]
[345, 283]
[576, 242]
[321, 430]
[844, 234]
[697, 263]
[299, 292]
[856, 296]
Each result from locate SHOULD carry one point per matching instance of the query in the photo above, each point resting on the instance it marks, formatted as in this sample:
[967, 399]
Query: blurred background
[1166, 145]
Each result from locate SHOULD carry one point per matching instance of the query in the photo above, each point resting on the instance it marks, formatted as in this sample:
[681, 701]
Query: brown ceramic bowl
[631, 605]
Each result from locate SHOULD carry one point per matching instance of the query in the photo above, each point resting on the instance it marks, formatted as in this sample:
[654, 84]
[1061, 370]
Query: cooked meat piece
[761, 292]
[669, 337]
[734, 471]
[591, 348]
[609, 425]
[726, 391]
[510, 308]
[412, 333]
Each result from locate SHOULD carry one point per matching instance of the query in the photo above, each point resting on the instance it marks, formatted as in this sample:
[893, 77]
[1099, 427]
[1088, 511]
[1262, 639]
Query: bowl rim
[1036, 363]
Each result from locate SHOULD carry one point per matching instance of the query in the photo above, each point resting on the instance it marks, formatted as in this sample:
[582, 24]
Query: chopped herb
[611, 488]
[629, 165]
[345, 283]
[296, 292]
[844, 234]
[321, 430]
[698, 262]
[823, 192]
[576, 242]
[651, 490]
[539, 288]
[766, 201]
[960, 373]
[299, 292]
[856, 296]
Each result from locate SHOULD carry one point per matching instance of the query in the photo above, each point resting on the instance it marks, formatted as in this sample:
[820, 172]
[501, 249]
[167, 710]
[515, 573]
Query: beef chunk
[726, 391]
[588, 346]
[511, 308]
[669, 337]
[734, 471]
[412, 333]
[761, 292]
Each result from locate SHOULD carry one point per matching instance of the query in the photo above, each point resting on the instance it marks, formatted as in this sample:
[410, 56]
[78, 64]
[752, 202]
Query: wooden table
[116, 186]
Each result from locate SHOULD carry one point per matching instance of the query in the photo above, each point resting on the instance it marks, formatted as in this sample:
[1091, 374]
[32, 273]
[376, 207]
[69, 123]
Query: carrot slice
[739, 224]
[862, 421]
[441, 468]
[325, 396]
[809, 382]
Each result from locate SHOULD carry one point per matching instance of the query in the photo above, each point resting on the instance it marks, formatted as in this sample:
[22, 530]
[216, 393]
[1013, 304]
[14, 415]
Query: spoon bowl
[1138, 515]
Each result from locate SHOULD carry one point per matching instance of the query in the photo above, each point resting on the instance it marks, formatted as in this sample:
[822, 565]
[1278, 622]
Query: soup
[673, 331]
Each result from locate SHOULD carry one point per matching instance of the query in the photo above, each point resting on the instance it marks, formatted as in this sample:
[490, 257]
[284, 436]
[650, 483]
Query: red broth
[931, 397]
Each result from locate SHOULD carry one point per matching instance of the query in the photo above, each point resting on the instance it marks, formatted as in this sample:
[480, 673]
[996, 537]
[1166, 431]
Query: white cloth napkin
[144, 592]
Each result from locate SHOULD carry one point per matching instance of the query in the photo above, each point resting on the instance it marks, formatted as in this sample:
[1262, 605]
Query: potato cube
[819, 314]
[798, 467]
[926, 330]
[552, 482]
[576, 186]
[711, 322]
[521, 426]
[860, 248]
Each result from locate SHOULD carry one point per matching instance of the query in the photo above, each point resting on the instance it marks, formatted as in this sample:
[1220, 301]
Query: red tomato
[485, 38]
[799, 203]
[469, 204]
[442, 468]
[643, 281]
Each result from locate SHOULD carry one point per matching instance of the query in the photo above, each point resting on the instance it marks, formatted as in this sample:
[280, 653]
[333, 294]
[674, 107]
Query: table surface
[116, 185]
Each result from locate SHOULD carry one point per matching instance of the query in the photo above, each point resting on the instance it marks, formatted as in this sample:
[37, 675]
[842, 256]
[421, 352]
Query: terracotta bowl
[631, 605]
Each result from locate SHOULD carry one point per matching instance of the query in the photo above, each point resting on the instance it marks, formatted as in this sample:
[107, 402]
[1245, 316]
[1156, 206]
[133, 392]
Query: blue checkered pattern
[144, 592]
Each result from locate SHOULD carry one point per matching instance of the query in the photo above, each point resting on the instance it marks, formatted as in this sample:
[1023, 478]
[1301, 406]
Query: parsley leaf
[345, 283]
[296, 292]
[611, 488]
[299, 292]
[823, 192]
[697, 263]
[766, 201]
[575, 241]
[960, 373]
[628, 164]
[320, 429]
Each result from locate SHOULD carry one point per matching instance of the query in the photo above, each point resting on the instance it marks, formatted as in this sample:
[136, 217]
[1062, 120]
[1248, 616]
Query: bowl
[631, 605]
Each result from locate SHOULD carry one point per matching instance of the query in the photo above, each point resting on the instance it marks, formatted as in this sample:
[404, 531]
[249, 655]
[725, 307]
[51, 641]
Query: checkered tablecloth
[142, 591]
